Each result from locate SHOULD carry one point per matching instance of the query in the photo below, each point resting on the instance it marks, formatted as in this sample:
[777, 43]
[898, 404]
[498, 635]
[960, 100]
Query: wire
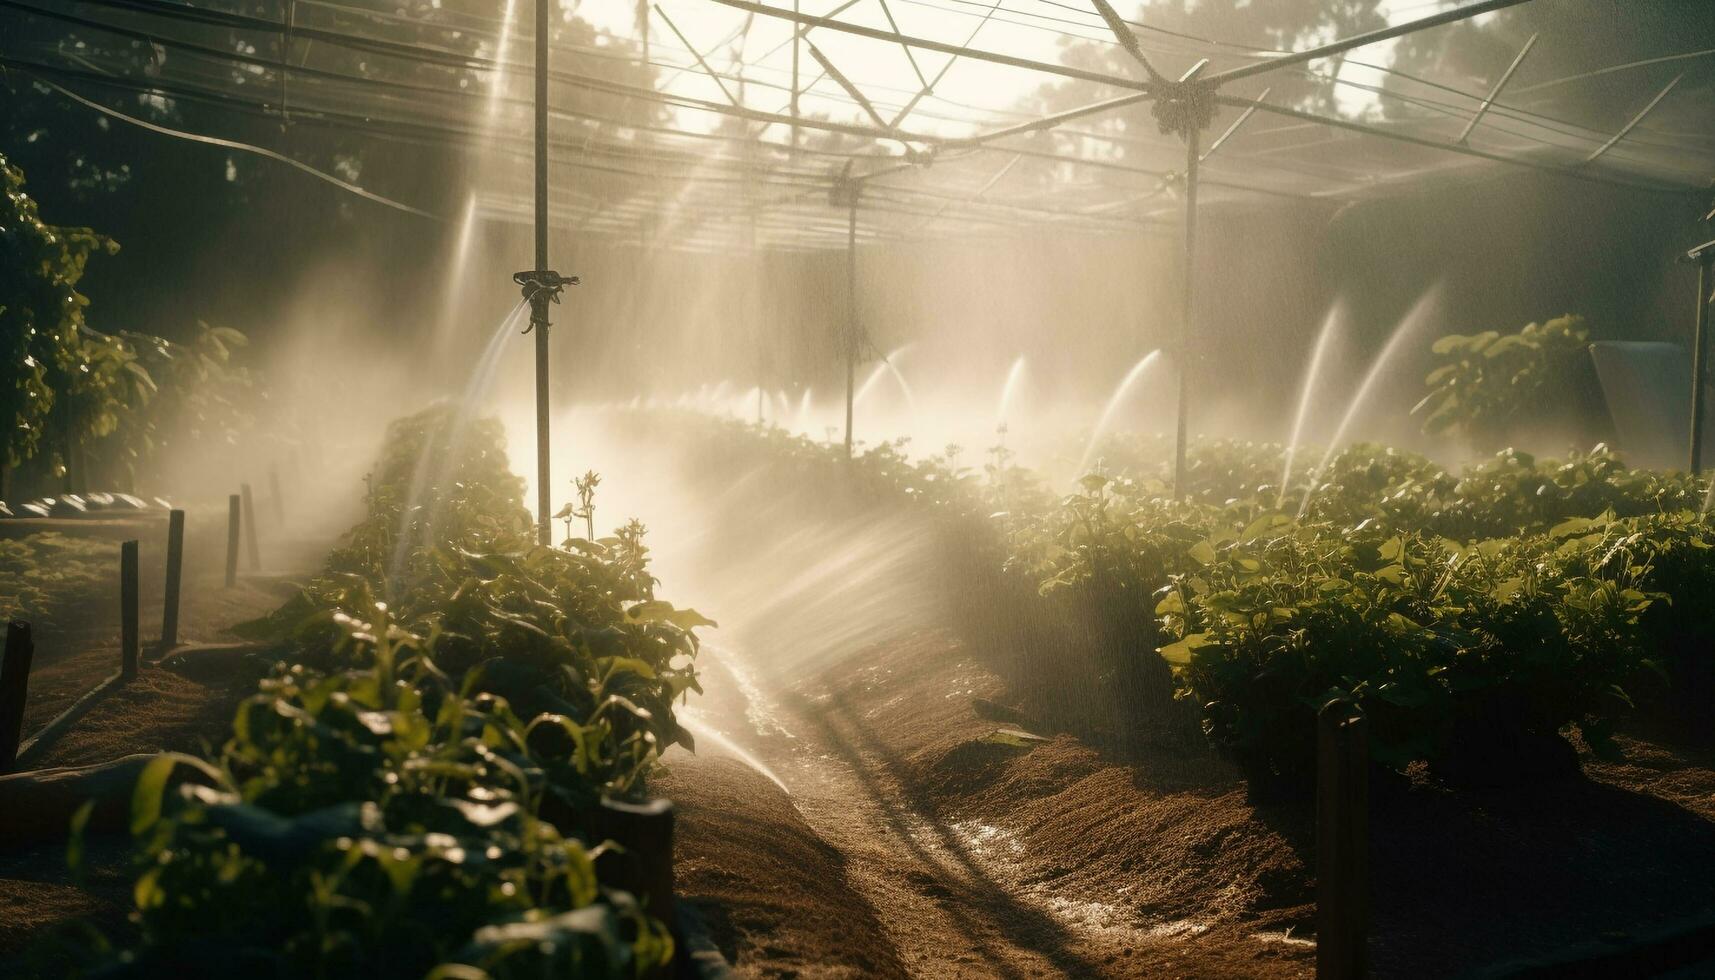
[261, 151]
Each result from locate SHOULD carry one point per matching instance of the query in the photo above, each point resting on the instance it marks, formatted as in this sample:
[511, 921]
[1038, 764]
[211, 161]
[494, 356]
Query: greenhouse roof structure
[716, 123]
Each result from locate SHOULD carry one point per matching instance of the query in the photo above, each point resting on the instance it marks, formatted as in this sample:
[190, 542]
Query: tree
[57, 368]
[236, 234]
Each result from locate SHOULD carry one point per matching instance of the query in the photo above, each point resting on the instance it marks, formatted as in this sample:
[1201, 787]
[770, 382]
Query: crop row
[1474, 615]
[412, 791]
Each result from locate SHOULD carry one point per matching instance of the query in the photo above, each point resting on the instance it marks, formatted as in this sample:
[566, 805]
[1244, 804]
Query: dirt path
[162, 709]
[951, 894]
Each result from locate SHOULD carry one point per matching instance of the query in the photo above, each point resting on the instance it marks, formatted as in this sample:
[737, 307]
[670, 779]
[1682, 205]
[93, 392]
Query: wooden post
[644, 864]
[14, 685]
[175, 572]
[279, 503]
[128, 608]
[253, 562]
[1342, 843]
[232, 522]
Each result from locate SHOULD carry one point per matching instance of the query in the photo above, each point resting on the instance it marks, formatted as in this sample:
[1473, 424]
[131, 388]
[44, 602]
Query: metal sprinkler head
[537, 281]
[541, 287]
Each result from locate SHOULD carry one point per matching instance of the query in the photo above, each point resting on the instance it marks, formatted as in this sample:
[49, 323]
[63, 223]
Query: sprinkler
[545, 284]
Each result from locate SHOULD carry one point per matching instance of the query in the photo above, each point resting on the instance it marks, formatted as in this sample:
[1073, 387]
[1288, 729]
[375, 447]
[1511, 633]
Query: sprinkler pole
[542, 285]
[539, 298]
[851, 308]
[1704, 256]
[1187, 307]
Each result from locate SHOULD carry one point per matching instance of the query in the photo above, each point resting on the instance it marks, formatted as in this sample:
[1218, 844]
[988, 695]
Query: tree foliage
[56, 365]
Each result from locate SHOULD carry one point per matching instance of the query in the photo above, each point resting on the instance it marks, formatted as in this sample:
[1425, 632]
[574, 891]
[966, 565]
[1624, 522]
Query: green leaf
[1179, 654]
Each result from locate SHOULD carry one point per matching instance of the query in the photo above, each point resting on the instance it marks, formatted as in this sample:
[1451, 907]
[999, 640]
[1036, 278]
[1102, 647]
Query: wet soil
[979, 859]
[899, 813]
[982, 851]
[77, 646]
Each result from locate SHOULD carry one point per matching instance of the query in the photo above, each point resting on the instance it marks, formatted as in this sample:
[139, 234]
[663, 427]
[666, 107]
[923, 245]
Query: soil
[982, 853]
[900, 813]
[77, 646]
[976, 859]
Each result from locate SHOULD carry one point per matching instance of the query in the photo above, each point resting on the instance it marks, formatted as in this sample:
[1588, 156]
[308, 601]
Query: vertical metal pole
[1186, 309]
[175, 572]
[233, 519]
[797, 33]
[539, 301]
[128, 609]
[1700, 361]
[851, 312]
[1342, 844]
[14, 690]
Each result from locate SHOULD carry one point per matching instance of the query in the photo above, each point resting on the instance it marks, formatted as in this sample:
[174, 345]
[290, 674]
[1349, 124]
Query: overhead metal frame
[790, 218]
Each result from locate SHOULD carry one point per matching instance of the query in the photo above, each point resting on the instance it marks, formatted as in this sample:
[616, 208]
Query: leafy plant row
[75, 392]
[1473, 614]
[412, 795]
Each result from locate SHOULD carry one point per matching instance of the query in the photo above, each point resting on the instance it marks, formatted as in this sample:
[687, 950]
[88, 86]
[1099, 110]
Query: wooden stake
[253, 562]
[128, 609]
[643, 865]
[232, 522]
[175, 571]
[274, 492]
[1342, 843]
[14, 686]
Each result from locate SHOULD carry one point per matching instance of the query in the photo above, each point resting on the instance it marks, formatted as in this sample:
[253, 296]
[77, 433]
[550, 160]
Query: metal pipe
[1700, 360]
[1243, 117]
[1626, 130]
[796, 36]
[942, 47]
[1495, 92]
[1359, 40]
[851, 312]
[1187, 297]
[1336, 123]
[539, 300]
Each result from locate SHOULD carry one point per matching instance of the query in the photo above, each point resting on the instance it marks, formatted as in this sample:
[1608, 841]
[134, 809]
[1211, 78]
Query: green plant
[56, 370]
[377, 821]
[414, 795]
[1489, 381]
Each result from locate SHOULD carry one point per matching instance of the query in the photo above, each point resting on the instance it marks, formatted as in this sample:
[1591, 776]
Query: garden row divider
[254, 561]
[14, 687]
[38, 743]
[175, 575]
[1342, 843]
[233, 520]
